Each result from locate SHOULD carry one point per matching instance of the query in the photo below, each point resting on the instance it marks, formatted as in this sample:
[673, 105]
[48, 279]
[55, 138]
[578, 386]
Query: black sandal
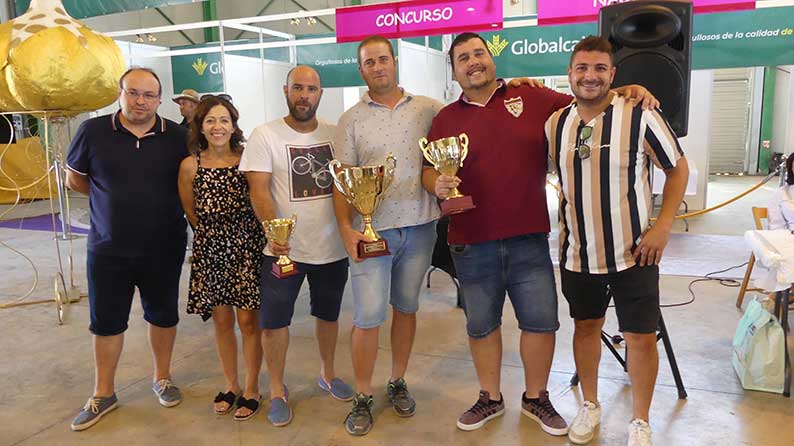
[252, 405]
[229, 397]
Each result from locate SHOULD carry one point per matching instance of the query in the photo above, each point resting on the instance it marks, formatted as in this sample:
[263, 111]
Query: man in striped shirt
[602, 147]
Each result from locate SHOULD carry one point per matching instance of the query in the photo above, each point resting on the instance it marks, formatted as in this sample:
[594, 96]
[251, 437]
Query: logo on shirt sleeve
[515, 106]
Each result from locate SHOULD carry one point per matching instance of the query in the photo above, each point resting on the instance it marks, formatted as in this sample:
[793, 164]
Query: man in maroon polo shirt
[501, 246]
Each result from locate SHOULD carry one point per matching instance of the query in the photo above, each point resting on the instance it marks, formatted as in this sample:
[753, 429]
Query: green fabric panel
[81, 9]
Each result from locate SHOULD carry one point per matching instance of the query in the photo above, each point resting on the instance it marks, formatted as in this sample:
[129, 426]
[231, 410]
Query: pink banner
[417, 18]
[555, 12]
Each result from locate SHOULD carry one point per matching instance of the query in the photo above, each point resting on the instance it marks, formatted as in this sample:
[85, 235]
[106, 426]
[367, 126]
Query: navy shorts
[277, 296]
[635, 291]
[111, 285]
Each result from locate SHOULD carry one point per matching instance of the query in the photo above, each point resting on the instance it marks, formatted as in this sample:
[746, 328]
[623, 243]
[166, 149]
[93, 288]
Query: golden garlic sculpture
[52, 62]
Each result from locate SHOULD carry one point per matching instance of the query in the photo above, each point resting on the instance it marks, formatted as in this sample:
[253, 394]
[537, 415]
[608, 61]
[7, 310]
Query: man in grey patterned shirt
[386, 120]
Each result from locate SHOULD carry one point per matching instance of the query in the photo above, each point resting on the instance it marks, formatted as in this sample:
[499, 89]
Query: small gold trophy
[447, 155]
[363, 188]
[280, 230]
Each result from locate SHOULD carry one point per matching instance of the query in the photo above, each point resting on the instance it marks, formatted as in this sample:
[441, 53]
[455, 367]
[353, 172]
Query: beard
[300, 115]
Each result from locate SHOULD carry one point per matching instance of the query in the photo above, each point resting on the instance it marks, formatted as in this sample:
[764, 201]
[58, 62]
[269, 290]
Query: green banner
[337, 63]
[760, 37]
[201, 72]
[81, 9]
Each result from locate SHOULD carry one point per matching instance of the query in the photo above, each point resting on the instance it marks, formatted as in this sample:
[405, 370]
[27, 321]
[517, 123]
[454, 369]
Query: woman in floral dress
[227, 248]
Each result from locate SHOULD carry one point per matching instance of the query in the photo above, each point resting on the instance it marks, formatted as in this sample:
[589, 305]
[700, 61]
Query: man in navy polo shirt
[501, 246]
[127, 163]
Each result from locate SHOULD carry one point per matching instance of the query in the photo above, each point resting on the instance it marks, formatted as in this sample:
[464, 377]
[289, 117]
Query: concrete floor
[47, 372]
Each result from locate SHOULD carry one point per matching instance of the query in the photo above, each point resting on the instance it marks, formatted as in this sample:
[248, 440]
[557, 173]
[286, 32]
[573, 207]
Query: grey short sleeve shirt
[368, 132]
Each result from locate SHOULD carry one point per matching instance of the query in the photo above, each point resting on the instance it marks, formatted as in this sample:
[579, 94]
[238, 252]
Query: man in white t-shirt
[286, 164]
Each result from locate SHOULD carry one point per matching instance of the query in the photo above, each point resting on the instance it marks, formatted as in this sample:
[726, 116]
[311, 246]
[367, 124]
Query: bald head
[303, 72]
[303, 93]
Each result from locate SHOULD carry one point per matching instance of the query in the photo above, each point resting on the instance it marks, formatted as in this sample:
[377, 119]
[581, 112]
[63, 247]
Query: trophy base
[373, 249]
[282, 271]
[457, 205]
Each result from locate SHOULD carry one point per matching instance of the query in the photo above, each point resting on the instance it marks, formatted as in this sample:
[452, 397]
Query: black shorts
[111, 285]
[277, 296]
[635, 290]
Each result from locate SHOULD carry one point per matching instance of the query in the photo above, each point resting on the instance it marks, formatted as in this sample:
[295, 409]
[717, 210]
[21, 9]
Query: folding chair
[758, 215]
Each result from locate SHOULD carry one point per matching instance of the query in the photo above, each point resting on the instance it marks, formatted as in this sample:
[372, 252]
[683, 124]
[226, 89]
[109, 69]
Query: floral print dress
[228, 243]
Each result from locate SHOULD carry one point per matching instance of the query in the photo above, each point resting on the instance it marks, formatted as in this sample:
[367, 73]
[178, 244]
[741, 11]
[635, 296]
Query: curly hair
[197, 141]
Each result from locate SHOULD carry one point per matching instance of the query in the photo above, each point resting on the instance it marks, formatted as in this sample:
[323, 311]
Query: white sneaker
[639, 433]
[583, 426]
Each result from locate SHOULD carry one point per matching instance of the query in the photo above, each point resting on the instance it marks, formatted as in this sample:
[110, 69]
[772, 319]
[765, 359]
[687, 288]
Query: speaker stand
[668, 348]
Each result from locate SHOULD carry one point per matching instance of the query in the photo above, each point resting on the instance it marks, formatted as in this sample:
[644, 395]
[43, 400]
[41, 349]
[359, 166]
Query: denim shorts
[277, 296]
[111, 285]
[518, 266]
[396, 278]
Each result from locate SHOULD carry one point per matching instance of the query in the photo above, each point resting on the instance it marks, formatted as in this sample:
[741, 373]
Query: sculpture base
[457, 205]
[282, 271]
[373, 249]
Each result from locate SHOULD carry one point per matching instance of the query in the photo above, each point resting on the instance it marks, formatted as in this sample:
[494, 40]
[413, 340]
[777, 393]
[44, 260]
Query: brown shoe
[541, 410]
[483, 411]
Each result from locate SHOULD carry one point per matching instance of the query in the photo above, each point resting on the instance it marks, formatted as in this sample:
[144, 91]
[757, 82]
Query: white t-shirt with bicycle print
[301, 184]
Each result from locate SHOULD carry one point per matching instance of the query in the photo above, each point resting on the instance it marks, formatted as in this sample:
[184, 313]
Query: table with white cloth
[774, 259]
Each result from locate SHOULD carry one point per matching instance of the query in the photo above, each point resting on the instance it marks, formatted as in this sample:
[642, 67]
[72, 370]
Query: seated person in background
[781, 205]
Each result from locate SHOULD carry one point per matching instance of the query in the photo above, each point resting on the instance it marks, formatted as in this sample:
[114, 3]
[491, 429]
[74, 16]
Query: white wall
[257, 102]
[332, 105]
[422, 70]
[783, 122]
[696, 143]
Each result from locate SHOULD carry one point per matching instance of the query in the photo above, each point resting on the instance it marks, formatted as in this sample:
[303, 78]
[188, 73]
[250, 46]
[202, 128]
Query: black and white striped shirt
[605, 199]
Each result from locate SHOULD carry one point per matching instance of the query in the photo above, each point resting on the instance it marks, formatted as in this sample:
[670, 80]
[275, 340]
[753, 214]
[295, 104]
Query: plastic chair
[758, 215]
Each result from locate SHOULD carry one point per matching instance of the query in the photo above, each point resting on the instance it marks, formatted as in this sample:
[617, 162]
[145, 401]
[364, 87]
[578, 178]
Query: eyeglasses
[222, 96]
[147, 96]
[583, 149]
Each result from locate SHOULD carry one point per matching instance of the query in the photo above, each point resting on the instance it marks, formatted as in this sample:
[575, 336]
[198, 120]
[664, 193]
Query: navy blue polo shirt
[135, 207]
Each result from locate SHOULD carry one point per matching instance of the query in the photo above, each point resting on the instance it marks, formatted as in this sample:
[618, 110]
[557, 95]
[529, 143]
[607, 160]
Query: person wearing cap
[188, 100]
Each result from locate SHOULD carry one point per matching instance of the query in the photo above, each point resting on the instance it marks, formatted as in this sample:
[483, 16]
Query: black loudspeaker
[652, 42]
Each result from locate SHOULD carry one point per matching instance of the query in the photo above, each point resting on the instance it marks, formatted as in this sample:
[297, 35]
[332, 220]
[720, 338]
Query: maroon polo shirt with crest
[505, 170]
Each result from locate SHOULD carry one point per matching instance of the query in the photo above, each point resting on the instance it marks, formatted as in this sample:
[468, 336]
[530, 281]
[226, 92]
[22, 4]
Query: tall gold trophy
[447, 155]
[280, 230]
[363, 188]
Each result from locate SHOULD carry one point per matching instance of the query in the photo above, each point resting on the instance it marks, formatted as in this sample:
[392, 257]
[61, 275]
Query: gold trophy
[279, 230]
[447, 155]
[363, 188]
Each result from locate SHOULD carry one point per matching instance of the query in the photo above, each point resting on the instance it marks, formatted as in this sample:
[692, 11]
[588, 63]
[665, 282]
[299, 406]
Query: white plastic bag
[758, 350]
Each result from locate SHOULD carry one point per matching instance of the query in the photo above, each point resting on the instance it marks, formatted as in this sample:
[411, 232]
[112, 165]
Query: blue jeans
[518, 266]
[396, 278]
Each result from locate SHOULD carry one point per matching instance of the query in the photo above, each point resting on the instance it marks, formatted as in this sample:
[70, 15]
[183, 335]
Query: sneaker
[639, 433]
[541, 410]
[338, 389]
[167, 393]
[280, 413]
[94, 409]
[483, 411]
[401, 398]
[583, 426]
[359, 421]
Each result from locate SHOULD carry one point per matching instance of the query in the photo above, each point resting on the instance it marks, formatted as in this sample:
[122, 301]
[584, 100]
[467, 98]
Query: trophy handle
[332, 166]
[391, 164]
[423, 145]
[294, 223]
[464, 141]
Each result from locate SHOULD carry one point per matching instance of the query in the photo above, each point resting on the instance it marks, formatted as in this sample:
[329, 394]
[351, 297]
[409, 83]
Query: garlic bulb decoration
[52, 62]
